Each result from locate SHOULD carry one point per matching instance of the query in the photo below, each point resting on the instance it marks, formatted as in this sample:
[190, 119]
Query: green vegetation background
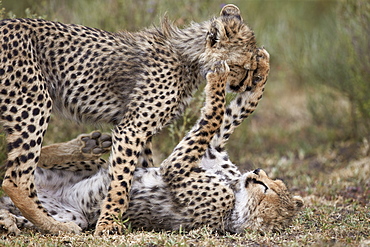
[314, 118]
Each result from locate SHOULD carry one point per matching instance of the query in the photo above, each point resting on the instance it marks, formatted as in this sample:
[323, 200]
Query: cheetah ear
[298, 201]
[231, 10]
[216, 33]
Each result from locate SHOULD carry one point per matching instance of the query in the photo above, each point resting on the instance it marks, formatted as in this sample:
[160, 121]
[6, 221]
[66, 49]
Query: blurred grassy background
[312, 127]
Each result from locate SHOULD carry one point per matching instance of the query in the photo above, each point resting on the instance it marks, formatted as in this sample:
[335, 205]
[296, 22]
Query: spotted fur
[137, 81]
[196, 185]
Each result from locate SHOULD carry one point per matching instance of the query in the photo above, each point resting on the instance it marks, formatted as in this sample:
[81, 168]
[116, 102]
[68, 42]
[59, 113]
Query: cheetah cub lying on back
[196, 185]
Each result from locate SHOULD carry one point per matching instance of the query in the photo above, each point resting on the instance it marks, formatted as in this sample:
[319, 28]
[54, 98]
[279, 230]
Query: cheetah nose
[257, 171]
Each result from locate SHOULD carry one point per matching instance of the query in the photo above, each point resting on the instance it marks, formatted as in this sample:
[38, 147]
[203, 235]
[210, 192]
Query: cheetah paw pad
[96, 143]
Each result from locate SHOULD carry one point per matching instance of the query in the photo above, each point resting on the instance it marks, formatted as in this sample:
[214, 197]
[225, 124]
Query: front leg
[245, 103]
[182, 165]
[128, 142]
[146, 156]
[191, 187]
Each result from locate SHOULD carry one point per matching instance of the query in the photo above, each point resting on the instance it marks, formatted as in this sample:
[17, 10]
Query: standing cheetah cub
[197, 185]
[137, 81]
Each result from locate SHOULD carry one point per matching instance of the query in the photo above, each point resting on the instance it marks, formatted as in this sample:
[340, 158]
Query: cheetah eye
[261, 183]
[255, 181]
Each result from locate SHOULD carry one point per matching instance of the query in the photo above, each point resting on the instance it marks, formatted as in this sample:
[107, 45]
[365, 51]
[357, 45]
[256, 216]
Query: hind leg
[72, 154]
[26, 126]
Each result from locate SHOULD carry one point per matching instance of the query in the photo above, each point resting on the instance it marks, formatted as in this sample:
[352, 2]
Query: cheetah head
[230, 39]
[263, 204]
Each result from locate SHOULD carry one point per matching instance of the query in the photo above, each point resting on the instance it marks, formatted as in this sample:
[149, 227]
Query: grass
[324, 221]
[305, 131]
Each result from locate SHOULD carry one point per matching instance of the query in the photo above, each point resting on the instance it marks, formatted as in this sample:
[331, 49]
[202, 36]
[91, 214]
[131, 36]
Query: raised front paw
[95, 143]
[263, 67]
[219, 71]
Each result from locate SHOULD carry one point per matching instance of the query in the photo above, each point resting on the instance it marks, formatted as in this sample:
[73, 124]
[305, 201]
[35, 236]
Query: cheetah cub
[138, 82]
[196, 185]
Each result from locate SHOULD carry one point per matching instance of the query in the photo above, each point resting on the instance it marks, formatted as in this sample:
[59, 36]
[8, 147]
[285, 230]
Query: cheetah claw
[262, 70]
[105, 229]
[219, 71]
[220, 67]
